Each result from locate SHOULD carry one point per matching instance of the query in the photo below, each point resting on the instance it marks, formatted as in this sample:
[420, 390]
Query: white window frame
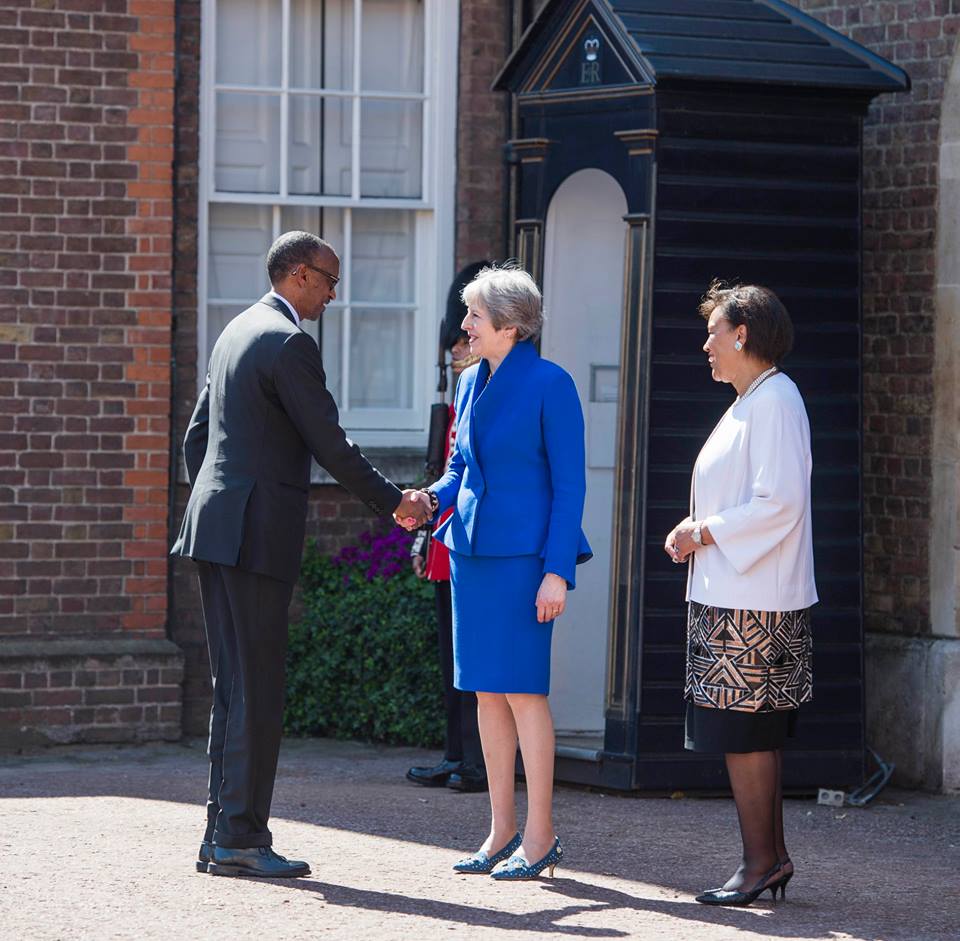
[434, 212]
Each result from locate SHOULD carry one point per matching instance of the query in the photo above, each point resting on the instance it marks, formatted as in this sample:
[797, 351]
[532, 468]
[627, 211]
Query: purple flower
[379, 554]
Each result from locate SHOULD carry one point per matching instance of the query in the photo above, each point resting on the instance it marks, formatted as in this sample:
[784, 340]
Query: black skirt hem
[719, 731]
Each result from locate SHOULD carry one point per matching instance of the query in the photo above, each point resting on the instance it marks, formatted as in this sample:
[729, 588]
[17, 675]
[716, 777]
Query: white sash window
[337, 117]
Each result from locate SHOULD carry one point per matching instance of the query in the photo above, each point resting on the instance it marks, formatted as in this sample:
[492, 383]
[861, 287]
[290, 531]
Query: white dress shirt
[751, 489]
[290, 307]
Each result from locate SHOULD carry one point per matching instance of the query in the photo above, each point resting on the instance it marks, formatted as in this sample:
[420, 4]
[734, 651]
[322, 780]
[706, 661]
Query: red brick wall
[86, 151]
[481, 132]
[901, 154]
[89, 691]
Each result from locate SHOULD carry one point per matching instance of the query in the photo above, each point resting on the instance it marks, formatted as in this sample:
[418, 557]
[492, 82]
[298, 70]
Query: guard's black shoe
[468, 779]
[204, 856]
[436, 776]
[257, 861]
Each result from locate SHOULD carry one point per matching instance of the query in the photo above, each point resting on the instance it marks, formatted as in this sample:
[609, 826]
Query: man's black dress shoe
[257, 861]
[204, 856]
[436, 776]
[468, 779]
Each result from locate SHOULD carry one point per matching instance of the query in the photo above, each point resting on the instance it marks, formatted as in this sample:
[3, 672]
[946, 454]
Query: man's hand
[419, 566]
[551, 598]
[413, 510]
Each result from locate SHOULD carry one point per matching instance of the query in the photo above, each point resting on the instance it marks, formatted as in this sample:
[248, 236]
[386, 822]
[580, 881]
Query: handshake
[415, 509]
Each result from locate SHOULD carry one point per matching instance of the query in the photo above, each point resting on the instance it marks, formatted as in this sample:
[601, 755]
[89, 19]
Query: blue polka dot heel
[517, 868]
[482, 864]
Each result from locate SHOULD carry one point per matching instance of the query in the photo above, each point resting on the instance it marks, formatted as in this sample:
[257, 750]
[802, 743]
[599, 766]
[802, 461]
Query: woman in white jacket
[749, 544]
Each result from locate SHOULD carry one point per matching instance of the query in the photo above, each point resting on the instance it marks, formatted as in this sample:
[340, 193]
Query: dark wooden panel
[777, 198]
[834, 486]
[734, 207]
[755, 161]
[714, 119]
[664, 661]
[752, 233]
[778, 271]
[838, 590]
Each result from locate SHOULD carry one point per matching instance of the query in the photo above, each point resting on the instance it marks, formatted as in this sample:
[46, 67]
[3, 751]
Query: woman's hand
[551, 598]
[413, 510]
[680, 545]
[677, 552]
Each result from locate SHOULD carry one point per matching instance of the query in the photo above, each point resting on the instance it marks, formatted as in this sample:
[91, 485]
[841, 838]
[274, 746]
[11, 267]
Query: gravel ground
[99, 842]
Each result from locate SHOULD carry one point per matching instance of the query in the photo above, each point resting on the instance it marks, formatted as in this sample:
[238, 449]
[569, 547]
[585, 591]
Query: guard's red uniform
[438, 555]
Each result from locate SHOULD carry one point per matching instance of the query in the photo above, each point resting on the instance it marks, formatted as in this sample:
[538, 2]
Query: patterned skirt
[748, 661]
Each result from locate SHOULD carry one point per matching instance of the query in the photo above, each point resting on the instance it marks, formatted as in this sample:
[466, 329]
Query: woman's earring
[738, 346]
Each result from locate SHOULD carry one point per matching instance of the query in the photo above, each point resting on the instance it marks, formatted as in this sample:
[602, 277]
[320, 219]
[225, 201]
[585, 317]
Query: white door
[583, 299]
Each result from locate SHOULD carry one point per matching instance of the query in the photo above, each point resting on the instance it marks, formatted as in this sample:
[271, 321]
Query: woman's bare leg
[498, 736]
[534, 724]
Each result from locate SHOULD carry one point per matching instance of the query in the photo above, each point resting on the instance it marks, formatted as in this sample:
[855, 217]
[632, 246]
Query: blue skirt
[498, 644]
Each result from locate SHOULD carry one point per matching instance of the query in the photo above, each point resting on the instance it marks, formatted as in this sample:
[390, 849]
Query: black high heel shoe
[734, 897]
[781, 883]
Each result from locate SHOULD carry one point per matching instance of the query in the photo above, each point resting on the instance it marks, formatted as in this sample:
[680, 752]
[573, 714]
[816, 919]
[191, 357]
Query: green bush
[363, 661]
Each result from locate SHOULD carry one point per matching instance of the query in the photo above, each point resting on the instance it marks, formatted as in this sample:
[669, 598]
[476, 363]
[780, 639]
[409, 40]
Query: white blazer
[751, 489]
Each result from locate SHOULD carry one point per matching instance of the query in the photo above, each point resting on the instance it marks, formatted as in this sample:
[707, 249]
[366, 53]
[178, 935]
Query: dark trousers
[463, 735]
[245, 615]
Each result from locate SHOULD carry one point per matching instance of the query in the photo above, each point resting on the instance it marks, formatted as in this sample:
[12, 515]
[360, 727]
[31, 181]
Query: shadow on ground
[877, 873]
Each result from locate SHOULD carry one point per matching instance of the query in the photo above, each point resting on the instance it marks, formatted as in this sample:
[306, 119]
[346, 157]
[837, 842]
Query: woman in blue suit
[516, 484]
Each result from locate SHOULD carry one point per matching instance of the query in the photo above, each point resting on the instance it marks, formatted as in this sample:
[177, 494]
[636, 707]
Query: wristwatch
[696, 535]
[434, 501]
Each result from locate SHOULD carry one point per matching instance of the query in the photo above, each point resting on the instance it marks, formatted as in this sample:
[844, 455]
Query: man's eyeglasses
[334, 281]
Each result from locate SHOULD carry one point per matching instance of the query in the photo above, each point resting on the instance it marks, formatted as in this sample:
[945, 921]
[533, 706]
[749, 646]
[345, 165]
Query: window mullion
[426, 112]
[355, 127]
[348, 295]
[285, 99]
[208, 131]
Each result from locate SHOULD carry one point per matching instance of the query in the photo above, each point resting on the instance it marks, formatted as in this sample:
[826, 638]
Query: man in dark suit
[264, 411]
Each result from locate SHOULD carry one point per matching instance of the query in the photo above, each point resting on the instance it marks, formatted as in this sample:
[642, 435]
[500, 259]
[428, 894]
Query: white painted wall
[583, 300]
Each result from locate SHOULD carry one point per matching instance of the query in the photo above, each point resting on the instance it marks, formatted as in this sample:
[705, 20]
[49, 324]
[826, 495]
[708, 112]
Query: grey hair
[510, 296]
[292, 249]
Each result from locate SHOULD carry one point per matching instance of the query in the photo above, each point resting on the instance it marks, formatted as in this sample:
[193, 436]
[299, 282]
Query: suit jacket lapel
[465, 423]
[503, 384]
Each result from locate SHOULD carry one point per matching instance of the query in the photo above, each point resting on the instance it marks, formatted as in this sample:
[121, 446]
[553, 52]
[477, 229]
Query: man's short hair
[292, 249]
[769, 328]
[510, 296]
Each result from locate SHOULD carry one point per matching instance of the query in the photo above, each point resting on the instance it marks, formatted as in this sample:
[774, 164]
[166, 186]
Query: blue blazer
[517, 475]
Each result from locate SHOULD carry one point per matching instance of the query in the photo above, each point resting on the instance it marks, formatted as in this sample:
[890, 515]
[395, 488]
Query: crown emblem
[591, 48]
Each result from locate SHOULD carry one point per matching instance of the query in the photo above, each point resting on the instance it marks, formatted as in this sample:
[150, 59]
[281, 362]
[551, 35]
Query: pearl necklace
[766, 374]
